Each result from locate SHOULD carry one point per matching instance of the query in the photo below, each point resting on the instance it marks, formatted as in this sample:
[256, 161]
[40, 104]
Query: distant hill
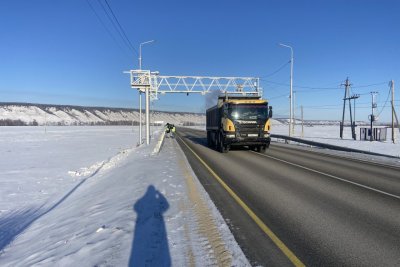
[15, 114]
[39, 114]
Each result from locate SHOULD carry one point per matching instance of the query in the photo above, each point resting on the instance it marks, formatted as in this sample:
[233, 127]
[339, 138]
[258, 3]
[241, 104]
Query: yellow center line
[289, 254]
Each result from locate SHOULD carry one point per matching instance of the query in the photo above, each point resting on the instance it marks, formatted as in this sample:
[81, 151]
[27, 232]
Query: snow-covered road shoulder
[132, 209]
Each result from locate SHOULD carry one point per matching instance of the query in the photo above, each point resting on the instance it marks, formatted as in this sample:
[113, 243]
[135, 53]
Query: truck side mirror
[270, 112]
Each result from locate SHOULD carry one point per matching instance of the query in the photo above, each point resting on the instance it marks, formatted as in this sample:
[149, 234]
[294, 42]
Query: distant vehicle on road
[239, 121]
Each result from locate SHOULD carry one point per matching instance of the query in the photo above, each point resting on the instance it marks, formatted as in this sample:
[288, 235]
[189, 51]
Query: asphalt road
[326, 210]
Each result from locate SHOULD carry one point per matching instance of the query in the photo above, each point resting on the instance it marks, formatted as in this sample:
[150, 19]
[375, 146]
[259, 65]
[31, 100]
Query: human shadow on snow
[150, 243]
[17, 221]
[14, 223]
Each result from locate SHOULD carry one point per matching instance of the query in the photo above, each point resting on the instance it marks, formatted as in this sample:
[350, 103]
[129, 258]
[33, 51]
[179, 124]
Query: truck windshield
[248, 112]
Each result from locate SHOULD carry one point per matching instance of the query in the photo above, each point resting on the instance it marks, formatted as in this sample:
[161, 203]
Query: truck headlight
[230, 136]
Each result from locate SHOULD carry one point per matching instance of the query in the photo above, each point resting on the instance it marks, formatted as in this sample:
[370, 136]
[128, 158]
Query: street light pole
[140, 117]
[140, 52]
[140, 101]
[294, 111]
[291, 89]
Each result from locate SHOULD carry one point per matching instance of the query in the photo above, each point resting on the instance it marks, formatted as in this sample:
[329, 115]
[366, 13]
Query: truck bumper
[247, 141]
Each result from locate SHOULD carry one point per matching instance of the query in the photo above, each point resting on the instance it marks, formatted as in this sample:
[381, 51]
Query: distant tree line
[8, 122]
[190, 123]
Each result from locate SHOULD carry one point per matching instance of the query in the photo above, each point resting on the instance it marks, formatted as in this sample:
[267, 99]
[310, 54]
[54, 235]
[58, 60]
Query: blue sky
[58, 52]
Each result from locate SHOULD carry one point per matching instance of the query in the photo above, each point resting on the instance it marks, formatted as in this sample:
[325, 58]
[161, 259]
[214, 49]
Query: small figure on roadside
[173, 131]
[170, 129]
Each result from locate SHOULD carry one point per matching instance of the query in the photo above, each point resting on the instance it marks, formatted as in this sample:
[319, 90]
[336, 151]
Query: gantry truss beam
[158, 84]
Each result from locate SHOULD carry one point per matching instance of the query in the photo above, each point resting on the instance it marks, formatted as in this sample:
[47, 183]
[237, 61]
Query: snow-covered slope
[37, 114]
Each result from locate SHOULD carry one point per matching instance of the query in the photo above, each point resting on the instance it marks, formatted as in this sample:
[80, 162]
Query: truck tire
[215, 140]
[221, 147]
[261, 149]
[227, 148]
[209, 142]
[219, 143]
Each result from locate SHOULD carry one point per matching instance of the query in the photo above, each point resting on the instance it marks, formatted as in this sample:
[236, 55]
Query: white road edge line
[331, 176]
[393, 167]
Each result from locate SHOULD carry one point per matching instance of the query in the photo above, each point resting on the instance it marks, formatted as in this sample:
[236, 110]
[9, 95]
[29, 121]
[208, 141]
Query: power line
[385, 103]
[277, 83]
[338, 106]
[321, 88]
[275, 97]
[122, 29]
[126, 42]
[104, 25]
[276, 71]
[369, 85]
[313, 90]
[305, 87]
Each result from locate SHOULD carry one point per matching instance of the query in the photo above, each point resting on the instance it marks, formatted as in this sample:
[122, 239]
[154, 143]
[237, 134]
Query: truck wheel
[212, 140]
[219, 144]
[227, 148]
[221, 147]
[261, 149]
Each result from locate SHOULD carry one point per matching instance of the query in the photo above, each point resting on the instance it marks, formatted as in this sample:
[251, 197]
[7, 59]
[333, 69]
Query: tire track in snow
[207, 228]
[184, 207]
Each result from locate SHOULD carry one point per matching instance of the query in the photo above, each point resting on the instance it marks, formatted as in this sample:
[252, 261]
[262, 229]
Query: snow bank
[330, 135]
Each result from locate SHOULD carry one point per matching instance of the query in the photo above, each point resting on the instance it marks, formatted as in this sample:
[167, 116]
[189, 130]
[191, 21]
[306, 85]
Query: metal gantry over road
[153, 84]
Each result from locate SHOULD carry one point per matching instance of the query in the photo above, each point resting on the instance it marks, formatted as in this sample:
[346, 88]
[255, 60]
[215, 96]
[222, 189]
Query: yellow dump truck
[239, 121]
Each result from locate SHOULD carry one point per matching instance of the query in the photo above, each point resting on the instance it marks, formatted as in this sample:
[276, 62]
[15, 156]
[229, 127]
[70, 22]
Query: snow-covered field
[330, 135]
[35, 165]
[87, 196]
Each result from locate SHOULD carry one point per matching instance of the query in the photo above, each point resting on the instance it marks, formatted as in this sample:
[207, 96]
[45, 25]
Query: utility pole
[140, 117]
[291, 89]
[346, 94]
[393, 112]
[353, 132]
[302, 122]
[354, 106]
[294, 109]
[353, 122]
[147, 116]
[372, 116]
[349, 98]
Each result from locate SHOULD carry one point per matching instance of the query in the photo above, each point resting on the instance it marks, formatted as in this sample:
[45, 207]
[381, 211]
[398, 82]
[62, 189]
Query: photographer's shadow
[150, 242]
